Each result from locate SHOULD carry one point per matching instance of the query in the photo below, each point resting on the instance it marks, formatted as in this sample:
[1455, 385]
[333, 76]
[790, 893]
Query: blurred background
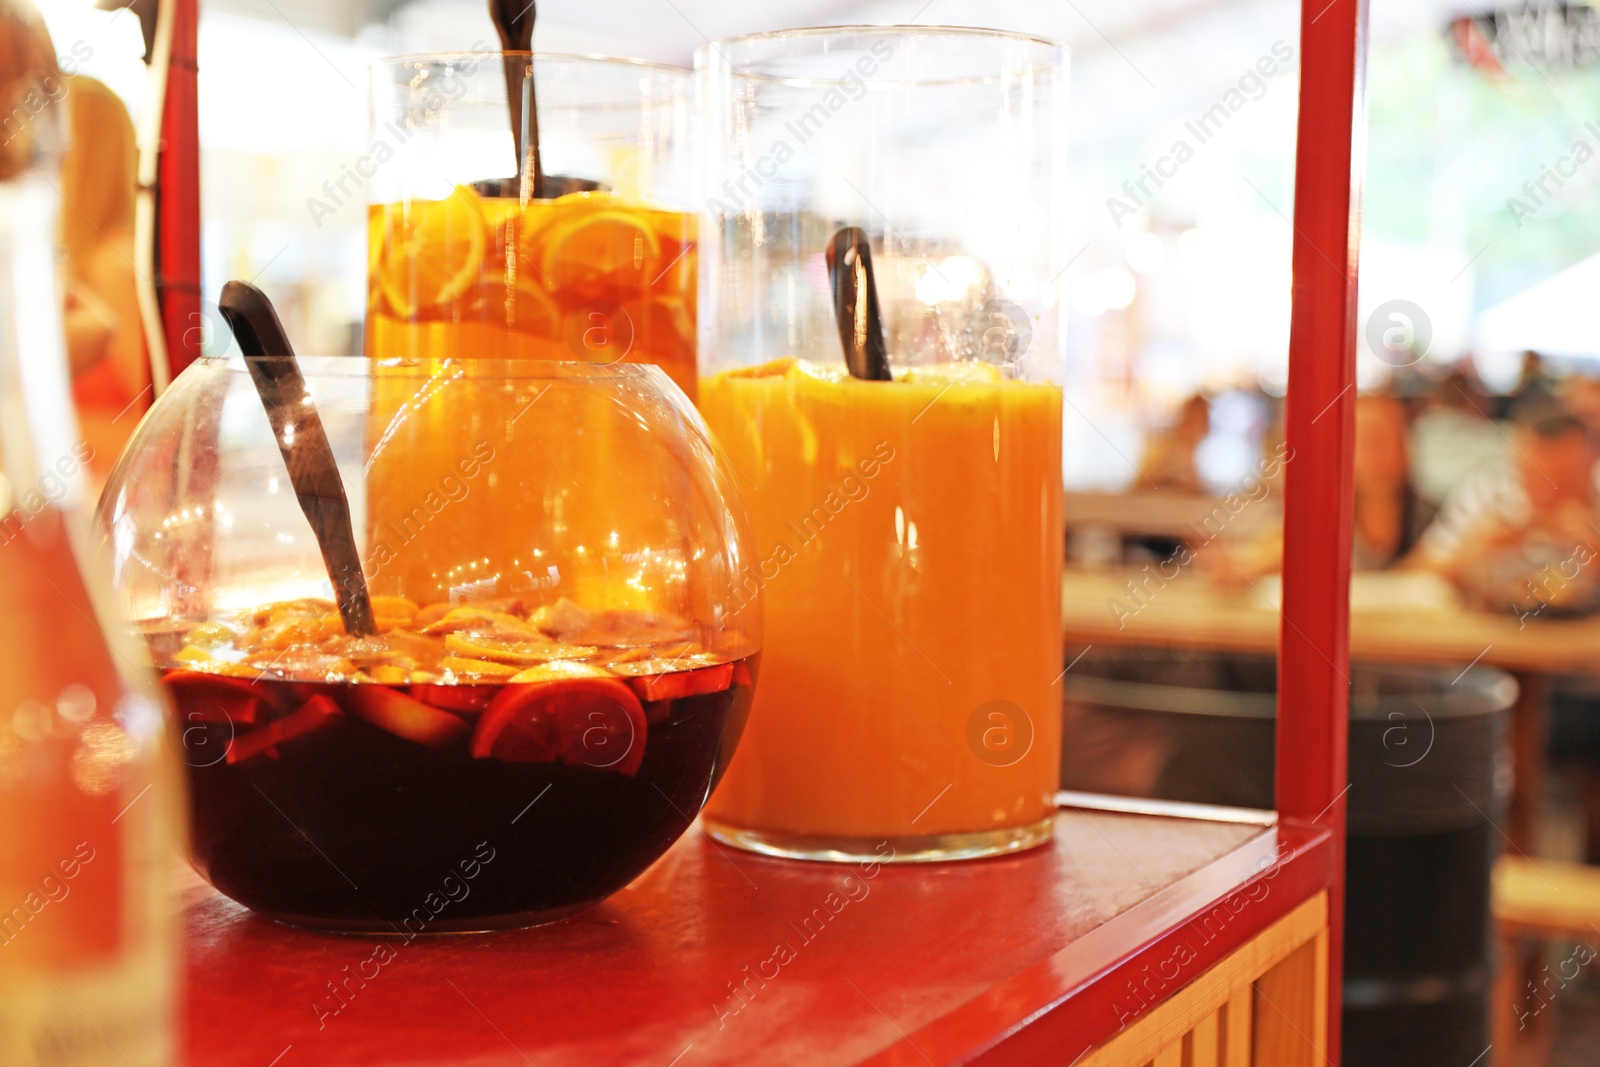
[1477, 514]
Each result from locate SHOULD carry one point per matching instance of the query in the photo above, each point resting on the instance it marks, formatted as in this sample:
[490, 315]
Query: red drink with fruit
[339, 779]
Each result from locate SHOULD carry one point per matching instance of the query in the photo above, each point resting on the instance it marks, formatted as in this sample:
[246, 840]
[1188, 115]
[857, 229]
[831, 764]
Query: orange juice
[909, 539]
[588, 276]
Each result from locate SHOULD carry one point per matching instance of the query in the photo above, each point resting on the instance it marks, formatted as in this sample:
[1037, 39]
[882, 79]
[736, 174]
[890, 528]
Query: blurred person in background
[1536, 385]
[1521, 534]
[105, 337]
[1169, 456]
[1382, 483]
[1580, 394]
[1382, 480]
[1451, 439]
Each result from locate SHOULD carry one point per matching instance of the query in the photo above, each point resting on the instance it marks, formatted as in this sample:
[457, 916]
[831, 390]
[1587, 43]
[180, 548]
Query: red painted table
[717, 956]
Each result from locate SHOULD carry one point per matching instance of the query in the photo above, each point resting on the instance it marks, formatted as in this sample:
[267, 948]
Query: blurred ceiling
[670, 30]
[1145, 59]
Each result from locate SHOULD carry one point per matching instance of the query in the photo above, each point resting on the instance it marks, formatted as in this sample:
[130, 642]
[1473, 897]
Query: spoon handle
[513, 21]
[855, 305]
[303, 443]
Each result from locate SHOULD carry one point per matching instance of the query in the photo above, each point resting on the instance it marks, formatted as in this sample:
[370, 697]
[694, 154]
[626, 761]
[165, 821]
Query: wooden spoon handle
[855, 305]
[303, 444]
[513, 21]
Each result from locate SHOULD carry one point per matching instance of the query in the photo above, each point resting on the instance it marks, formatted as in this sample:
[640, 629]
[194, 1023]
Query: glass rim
[472, 368]
[1062, 53]
[587, 57]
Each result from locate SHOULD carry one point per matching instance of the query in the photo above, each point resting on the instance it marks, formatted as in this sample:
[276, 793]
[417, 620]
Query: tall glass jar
[88, 792]
[467, 261]
[909, 531]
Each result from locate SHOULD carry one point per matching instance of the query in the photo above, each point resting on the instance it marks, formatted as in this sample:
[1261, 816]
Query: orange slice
[474, 618]
[558, 669]
[402, 716]
[311, 716]
[679, 684]
[605, 250]
[541, 217]
[476, 667]
[500, 649]
[583, 722]
[466, 699]
[434, 252]
[524, 306]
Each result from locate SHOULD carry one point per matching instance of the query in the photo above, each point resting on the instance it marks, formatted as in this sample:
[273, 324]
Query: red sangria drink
[465, 767]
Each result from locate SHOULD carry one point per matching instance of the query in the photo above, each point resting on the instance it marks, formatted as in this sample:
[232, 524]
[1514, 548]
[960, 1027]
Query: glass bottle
[88, 802]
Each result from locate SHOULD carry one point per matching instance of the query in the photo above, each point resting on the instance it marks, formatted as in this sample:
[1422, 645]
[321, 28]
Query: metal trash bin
[1429, 773]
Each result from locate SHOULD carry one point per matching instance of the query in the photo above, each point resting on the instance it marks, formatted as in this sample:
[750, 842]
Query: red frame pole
[178, 195]
[1314, 647]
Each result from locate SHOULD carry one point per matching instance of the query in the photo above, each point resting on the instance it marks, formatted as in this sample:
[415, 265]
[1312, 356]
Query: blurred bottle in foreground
[88, 801]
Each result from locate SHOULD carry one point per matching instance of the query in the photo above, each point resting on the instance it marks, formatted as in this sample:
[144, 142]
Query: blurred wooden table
[1404, 617]
[1164, 513]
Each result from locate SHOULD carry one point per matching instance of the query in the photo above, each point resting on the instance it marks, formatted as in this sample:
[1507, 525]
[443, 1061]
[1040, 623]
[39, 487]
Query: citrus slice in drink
[679, 684]
[433, 252]
[559, 669]
[463, 699]
[525, 306]
[582, 722]
[311, 716]
[601, 251]
[403, 716]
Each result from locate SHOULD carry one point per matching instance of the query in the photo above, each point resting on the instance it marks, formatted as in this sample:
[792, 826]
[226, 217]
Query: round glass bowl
[564, 651]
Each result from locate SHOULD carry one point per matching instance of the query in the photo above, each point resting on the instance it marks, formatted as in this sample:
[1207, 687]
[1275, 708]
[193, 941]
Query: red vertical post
[1314, 647]
[178, 195]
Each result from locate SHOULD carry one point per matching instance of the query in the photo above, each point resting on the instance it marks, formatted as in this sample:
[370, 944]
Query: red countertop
[715, 956]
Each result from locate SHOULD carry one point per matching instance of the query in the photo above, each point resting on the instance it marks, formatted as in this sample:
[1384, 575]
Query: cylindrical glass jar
[909, 532]
[559, 670]
[465, 260]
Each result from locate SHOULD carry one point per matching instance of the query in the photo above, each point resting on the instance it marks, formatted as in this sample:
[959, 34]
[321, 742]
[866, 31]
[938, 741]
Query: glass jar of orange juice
[469, 256]
[909, 528]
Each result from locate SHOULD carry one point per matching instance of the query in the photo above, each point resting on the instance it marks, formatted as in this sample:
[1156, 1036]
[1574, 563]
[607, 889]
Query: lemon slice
[434, 252]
